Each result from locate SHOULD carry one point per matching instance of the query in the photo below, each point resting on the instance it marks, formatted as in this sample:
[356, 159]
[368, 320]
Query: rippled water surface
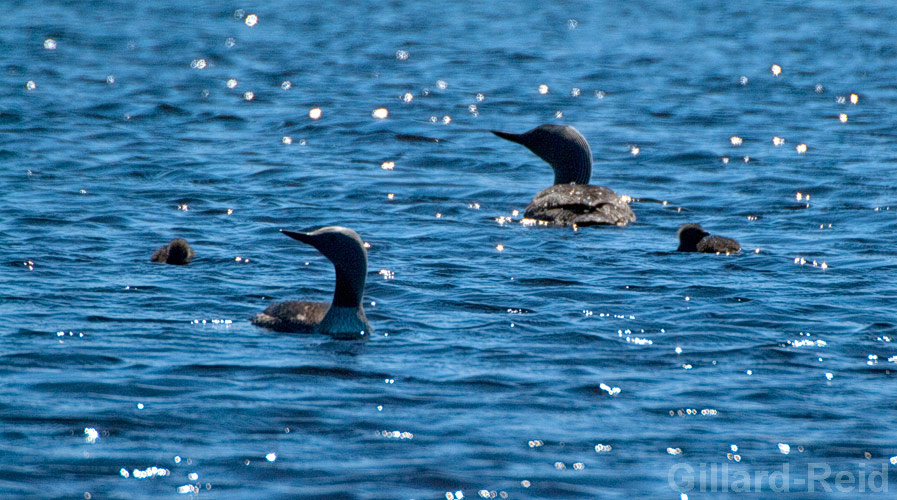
[569, 364]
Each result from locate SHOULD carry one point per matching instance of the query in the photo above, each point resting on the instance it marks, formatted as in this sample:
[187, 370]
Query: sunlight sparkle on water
[249, 95]
[286, 140]
[231, 83]
[380, 113]
[801, 148]
[776, 70]
[613, 391]
[30, 85]
[402, 55]
[441, 84]
[388, 165]
[778, 141]
[314, 113]
[50, 44]
[735, 140]
[286, 85]
[854, 99]
[150, 472]
[785, 448]
[91, 435]
[407, 97]
[543, 89]
[198, 64]
[252, 20]
[397, 435]
[271, 457]
[188, 489]
[843, 117]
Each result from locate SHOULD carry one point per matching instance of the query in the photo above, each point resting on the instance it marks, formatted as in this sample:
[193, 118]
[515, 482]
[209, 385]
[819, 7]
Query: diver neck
[574, 169]
[349, 289]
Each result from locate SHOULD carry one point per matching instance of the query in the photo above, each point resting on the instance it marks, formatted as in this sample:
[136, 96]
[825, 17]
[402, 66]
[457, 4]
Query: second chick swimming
[178, 252]
[693, 238]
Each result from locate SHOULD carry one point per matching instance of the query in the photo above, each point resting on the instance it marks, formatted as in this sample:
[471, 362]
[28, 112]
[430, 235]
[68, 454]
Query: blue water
[491, 373]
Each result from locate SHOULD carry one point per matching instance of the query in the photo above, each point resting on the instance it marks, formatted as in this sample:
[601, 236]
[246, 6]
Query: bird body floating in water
[693, 238]
[571, 200]
[178, 252]
[344, 317]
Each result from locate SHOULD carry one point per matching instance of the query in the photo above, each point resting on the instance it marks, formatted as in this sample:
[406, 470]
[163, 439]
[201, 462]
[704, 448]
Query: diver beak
[518, 138]
[303, 237]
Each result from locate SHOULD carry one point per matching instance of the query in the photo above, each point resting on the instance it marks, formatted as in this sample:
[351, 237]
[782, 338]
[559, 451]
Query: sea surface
[507, 360]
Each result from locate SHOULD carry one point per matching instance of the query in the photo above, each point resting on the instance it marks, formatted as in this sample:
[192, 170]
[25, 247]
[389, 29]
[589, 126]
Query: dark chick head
[178, 252]
[689, 236]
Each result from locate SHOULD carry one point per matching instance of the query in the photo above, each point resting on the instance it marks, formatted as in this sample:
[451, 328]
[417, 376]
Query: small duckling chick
[693, 238]
[178, 252]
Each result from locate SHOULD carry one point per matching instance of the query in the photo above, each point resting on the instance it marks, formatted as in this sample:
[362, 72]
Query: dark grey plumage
[178, 252]
[571, 200]
[294, 316]
[693, 238]
[344, 317]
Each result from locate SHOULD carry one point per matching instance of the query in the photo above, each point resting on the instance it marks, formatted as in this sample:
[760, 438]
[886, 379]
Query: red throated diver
[343, 318]
[571, 200]
[177, 252]
[693, 238]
